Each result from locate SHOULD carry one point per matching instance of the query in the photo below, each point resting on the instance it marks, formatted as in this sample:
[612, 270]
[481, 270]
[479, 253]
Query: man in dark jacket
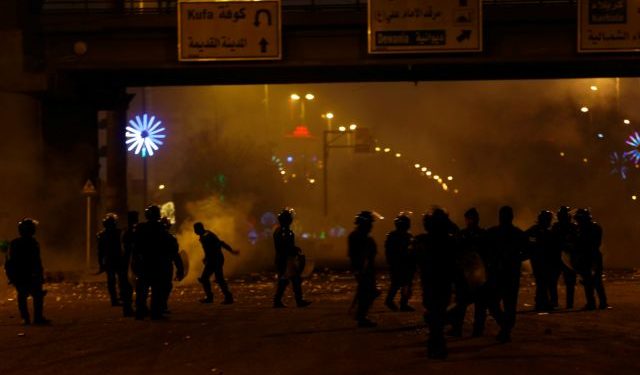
[24, 270]
[288, 261]
[589, 263]
[128, 240]
[213, 263]
[435, 254]
[506, 251]
[541, 251]
[110, 256]
[401, 263]
[362, 254]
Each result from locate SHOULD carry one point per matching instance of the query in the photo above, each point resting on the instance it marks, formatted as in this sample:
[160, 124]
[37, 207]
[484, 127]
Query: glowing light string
[144, 135]
[634, 141]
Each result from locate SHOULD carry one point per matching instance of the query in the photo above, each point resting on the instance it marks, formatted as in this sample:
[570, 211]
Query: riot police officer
[564, 234]
[24, 270]
[288, 261]
[506, 251]
[128, 238]
[110, 256]
[154, 254]
[213, 263]
[541, 252]
[362, 254]
[401, 263]
[470, 275]
[590, 265]
[435, 254]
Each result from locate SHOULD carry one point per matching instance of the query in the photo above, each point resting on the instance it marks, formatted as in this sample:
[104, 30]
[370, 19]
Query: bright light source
[585, 160]
[293, 175]
[424, 169]
[309, 97]
[312, 180]
[439, 180]
[353, 127]
[161, 187]
[295, 97]
[626, 121]
[634, 197]
[398, 154]
[600, 136]
[387, 149]
[594, 88]
[428, 173]
[283, 172]
[445, 187]
[342, 128]
[378, 149]
[584, 109]
[329, 115]
[289, 159]
[455, 191]
[436, 177]
[562, 154]
[450, 178]
[417, 166]
[144, 135]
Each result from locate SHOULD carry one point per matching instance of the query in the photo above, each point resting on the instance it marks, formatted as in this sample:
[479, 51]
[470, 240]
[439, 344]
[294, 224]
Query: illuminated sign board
[608, 25]
[423, 26]
[229, 30]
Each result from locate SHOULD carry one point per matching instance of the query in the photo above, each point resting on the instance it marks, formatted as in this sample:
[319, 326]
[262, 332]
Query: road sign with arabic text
[424, 26]
[229, 30]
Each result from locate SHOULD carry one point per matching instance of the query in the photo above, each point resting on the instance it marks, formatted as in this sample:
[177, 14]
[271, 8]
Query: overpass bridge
[65, 60]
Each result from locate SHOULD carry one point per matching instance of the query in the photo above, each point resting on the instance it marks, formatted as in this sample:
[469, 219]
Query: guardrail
[169, 6]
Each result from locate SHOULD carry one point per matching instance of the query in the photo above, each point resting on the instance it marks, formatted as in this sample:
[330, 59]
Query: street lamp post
[328, 143]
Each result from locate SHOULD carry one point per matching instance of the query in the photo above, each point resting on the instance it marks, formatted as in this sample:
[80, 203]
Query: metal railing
[169, 6]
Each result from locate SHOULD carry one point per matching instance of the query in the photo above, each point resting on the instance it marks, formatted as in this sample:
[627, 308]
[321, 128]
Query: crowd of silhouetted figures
[464, 266]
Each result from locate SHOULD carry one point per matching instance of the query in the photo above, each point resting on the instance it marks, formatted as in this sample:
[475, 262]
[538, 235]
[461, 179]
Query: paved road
[249, 337]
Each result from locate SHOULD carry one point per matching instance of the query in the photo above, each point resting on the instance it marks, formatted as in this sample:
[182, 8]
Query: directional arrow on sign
[263, 45]
[256, 21]
[464, 35]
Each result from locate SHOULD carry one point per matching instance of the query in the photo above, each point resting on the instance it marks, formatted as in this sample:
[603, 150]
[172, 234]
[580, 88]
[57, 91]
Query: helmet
[110, 220]
[472, 214]
[583, 215]
[27, 227]
[152, 213]
[166, 222]
[402, 221]
[364, 217]
[545, 217]
[132, 217]
[285, 217]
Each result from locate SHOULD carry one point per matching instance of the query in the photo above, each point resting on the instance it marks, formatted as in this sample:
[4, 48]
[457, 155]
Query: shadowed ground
[249, 337]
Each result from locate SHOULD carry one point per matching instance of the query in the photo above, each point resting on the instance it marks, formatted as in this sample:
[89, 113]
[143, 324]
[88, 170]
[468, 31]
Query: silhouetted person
[565, 233]
[175, 259]
[110, 256]
[435, 254]
[401, 263]
[24, 270]
[128, 242]
[288, 261]
[589, 264]
[541, 251]
[470, 275]
[506, 251]
[213, 263]
[154, 254]
[362, 253]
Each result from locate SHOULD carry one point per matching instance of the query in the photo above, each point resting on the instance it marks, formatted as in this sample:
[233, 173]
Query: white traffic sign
[88, 188]
[229, 30]
[423, 26]
[608, 26]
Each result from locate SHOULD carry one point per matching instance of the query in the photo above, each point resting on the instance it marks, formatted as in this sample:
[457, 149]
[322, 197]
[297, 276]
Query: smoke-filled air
[236, 155]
